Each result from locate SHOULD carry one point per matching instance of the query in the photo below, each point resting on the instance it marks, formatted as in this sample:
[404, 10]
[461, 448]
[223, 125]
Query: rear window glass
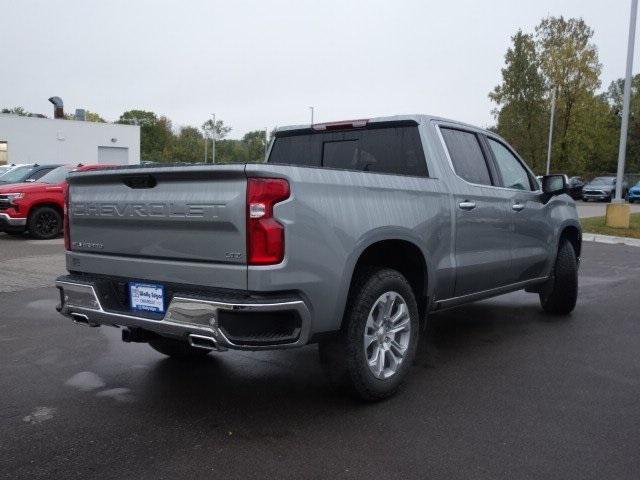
[466, 156]
[396, 150]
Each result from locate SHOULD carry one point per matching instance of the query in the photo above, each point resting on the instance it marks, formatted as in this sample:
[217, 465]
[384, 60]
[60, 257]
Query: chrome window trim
[440, 125]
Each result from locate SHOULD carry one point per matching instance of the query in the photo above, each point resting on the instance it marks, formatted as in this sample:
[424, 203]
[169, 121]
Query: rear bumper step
[204, 323]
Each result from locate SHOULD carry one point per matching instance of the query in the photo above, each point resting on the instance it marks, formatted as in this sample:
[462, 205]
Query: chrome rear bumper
[191, 319]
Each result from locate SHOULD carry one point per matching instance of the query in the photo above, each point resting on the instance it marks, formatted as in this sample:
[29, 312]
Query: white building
[47, 141]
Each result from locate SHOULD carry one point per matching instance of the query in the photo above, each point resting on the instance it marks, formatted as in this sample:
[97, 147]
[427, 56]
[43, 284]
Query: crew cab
[349, 235]
[37, 207]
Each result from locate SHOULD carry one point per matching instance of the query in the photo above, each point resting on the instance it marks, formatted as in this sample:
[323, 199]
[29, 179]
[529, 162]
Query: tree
[156, 134]
[255, 143]
[521, 100]
[613, 96]
[560, 56]
[221, 131]
[187, 146]
[20, 111]
[94, 117]
[570, 65]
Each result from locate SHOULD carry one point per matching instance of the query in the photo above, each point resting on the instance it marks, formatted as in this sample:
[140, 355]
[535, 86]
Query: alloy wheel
[387, 334]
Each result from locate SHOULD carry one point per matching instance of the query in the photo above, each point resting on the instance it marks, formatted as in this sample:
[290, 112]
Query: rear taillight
[67, 238]
[265, 235]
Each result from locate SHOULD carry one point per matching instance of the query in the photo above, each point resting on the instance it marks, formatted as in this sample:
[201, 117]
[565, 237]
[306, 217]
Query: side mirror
[554, 184]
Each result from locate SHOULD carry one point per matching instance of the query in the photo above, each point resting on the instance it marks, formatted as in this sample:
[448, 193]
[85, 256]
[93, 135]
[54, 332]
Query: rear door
[482, 246]
[532, 232]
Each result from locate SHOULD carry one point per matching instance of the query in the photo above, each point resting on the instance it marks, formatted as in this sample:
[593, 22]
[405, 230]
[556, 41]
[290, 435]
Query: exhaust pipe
[202, 341]
[58, 107]
[82, 319]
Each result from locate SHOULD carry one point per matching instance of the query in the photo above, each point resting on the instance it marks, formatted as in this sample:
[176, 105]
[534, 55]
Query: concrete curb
[595, 237]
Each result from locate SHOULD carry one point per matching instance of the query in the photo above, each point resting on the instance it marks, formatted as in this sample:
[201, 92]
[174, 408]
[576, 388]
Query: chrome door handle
[467, 205]
[517, 207]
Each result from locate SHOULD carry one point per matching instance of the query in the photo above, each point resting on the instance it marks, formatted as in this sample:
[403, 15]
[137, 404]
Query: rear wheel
[177, 348]
[559, 295]
[377, 345]
[44, 223]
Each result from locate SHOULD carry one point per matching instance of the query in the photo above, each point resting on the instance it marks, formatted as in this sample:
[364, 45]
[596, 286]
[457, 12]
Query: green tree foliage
[561, 56]
[521, 100]
[187, 146]
[220, 129]
[570, 65]
[94, 117]
[251, 149]
[613, 96]
[156, 134]
[20, 111]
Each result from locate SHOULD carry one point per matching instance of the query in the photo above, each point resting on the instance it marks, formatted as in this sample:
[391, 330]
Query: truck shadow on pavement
[245, 381]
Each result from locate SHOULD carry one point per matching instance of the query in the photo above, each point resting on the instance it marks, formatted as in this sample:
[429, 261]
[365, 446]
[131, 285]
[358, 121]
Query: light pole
[311, 108]
[553, 114]
[213, 138]
[618, 211]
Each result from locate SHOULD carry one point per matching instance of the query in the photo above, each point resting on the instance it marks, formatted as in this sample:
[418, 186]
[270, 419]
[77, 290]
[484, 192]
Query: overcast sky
[259, 64]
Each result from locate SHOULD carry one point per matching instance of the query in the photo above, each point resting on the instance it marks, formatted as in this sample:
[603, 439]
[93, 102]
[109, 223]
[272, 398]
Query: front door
[482, 245]
[532, 235]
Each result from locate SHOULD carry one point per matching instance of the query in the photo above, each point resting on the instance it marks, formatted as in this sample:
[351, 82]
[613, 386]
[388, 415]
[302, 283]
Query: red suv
[37, 207]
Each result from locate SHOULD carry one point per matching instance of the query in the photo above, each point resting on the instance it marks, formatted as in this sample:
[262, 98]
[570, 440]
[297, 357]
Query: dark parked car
[26, 173]
[602, 188]
[575, 185]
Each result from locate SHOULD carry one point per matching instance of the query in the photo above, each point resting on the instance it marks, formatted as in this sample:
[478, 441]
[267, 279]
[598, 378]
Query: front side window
[466, 156]
[513, 173]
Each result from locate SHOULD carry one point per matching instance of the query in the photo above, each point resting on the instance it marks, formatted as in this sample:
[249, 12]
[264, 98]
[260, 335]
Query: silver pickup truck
[348, 236]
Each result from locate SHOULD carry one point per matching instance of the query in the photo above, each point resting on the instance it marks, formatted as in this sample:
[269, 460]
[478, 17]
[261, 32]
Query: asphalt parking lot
[499, 390]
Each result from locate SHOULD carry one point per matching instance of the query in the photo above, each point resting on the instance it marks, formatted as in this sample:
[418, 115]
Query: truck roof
[418, 118]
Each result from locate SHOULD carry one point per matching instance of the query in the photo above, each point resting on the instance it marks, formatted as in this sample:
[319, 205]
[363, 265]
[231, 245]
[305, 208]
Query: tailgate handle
[139, 181]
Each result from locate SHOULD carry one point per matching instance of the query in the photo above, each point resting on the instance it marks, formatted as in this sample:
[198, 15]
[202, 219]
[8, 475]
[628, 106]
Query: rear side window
[396, 150]
[466, 156]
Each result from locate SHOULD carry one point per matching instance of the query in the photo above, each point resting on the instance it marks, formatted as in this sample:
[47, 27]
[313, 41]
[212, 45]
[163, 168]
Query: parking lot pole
[618, 212]
[622, 150]
[213, 139]
[553, 112]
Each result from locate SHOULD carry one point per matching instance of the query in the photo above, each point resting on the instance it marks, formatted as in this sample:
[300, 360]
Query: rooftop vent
[58, 107]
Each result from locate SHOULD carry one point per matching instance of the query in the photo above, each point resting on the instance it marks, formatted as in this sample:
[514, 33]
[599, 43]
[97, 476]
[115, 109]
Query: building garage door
[113, 155]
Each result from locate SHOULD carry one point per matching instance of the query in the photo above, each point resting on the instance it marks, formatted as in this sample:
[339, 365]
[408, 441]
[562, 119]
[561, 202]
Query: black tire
[177, 348]
[344, 358]
[560, 293]
[44, 223]
[631, 200]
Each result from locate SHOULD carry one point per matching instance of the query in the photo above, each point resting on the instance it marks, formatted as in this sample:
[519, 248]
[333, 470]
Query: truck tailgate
[168, 214]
